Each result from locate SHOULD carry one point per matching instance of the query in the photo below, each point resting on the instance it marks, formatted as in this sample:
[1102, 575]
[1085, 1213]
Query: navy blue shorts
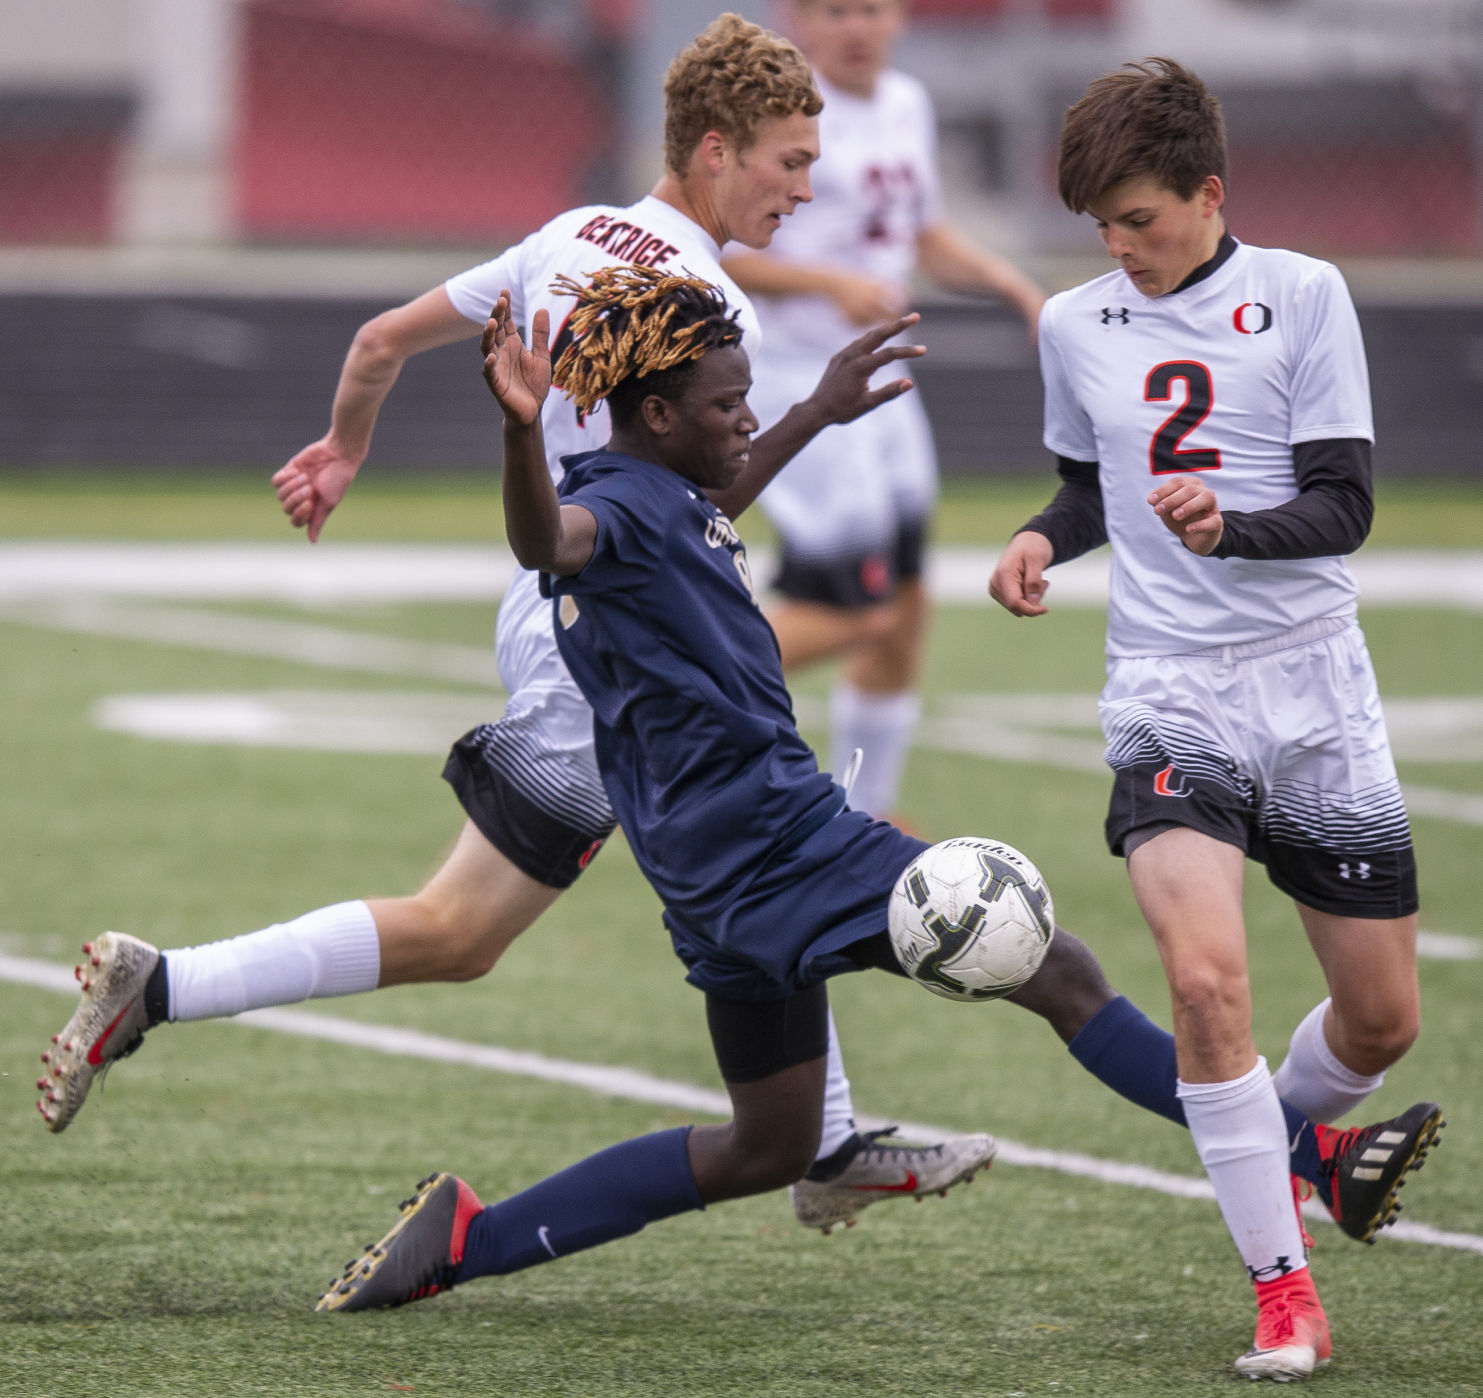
[796, 923]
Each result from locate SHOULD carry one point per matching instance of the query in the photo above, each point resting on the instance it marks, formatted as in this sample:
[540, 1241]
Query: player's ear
[658, 415]
[1212, 193]
[713, 152]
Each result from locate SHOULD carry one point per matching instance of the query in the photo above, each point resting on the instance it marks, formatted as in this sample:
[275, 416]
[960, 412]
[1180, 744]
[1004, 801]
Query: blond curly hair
[734, 76]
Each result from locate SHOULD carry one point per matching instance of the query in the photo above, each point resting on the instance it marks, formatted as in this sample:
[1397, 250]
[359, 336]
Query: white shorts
[849, 491]
[1278, 747]
[530, 782]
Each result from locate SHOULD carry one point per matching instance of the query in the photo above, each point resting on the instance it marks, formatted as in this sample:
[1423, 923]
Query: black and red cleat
[1365, 1166]
[419, 1257]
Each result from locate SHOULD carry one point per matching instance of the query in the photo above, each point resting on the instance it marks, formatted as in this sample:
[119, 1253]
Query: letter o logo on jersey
[1252, 317]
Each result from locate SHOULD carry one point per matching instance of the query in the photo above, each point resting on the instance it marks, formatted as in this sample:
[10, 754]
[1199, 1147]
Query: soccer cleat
[1365, 1167]
[1292, 1332]
[863, 1172]
[107, 1025]
[420, 1255]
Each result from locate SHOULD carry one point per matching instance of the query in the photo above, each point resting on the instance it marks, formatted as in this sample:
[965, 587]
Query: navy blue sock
[608, 1195]
[1121, 1047]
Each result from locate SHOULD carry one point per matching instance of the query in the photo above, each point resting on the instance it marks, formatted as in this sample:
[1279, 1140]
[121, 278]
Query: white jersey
[580, 244]
[876, 188]
[543, 744]
[1225, 377]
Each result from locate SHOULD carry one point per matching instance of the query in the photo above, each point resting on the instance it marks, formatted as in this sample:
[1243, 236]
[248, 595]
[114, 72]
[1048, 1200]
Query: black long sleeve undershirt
[1330, 514]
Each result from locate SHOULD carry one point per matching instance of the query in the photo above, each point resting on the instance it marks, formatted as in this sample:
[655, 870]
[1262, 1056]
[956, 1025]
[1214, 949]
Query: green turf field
[174, 1239]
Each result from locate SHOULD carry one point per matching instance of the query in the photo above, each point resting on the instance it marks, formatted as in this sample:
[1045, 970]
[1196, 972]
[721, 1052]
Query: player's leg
[455, 929]
[1355, 888]
[833, 512]
[772, 1058]
[1188, 886]
[1341, 1049]
[875, 706]
[537, 815]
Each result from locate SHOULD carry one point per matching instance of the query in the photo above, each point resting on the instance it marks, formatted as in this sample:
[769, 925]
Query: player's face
[849, 42]
[761, 185]
[1157, 237]
[711, 425]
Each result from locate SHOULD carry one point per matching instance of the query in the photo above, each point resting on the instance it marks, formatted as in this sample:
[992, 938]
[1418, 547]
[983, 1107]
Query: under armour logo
[1354, 871]
[1120, 315]
[1280, 1268]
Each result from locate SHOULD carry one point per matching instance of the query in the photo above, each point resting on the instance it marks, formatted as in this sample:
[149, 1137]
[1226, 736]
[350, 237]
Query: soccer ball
[970, 919]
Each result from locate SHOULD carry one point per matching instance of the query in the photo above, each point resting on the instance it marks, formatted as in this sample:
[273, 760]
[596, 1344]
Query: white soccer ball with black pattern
[971, 919]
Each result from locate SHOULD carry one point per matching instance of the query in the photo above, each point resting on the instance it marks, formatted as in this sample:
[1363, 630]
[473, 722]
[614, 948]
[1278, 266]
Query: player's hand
[519, 377]
[1190, 512]
[843, 392]
[313, 483]
[868, 300]
[1018, 583]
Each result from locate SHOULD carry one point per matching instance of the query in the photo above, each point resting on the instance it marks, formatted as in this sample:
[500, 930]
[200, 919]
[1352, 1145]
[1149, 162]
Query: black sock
[157, 995]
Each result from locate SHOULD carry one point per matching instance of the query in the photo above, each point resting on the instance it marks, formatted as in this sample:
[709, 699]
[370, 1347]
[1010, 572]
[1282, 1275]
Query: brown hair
[1154, 119]
[637, 331]
[734, 76]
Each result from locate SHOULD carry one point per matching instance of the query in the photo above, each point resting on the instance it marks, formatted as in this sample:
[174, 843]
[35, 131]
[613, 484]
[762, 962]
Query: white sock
[882, 726]
[1313, 1080]
[839, 1109]
[331, 951]
[1241, 1137]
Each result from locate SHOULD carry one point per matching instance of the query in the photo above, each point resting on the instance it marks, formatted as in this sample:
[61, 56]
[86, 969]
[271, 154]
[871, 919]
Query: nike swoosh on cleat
[95, 1054]
[908, 1187]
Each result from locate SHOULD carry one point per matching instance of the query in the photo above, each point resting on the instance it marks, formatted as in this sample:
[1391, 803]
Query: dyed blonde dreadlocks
[632, 324]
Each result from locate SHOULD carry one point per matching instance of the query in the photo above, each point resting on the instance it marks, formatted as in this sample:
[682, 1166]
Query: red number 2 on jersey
[1165, 454]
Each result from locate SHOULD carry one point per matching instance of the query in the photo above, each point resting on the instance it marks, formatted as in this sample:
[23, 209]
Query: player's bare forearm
[951, 260]
[315, 480]
[532, 510]
[544, 534]
[842, 394]
[864, 299]
[375, 359]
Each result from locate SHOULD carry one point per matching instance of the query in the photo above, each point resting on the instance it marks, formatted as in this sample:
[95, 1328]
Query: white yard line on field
[632, 1085]
[331, 573]
[303, 643]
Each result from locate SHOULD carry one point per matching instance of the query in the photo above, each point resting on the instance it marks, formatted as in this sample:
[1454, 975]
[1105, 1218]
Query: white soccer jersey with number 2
[1220, 381]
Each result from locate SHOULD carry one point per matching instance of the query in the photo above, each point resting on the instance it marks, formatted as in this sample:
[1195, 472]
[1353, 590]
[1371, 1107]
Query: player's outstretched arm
[842, 394]
[952, 261]
[1018, 583]
[315, 480]
[862, 299]
[544, 533]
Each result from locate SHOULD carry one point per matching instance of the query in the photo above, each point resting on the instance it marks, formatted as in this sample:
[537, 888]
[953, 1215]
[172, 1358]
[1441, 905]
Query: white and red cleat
[108, 1024]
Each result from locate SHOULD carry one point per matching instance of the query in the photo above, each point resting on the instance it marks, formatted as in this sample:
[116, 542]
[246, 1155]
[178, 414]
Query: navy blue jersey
[763, 872]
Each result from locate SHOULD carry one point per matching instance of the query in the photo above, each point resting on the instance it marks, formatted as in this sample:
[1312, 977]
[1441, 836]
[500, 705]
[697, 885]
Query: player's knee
[1374, 1040]
[760, 1162]
[1205, 989]
[875, 626]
